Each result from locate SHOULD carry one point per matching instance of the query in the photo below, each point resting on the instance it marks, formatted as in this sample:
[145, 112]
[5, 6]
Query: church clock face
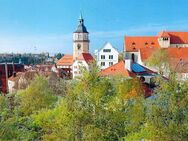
[79, 46]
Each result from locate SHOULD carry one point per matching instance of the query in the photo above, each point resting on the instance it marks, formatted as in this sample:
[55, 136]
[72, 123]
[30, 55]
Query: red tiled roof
[134, 43]
[117, 69]
[180, 53]
[66, 60]
[86, 57]
[178, 37]
[179, 65]
[178, 57]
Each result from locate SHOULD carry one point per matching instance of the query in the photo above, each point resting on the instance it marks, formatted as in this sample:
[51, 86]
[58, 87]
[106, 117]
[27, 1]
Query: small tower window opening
[79, 46]
[165, 39]
[133, 57]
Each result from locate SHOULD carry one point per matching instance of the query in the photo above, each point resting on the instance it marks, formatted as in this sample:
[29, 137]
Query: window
[102, 63]
[102, 56]
[133, 57]
[78, 46]
[110, 63]
[106, 50]
[75, 67]
[110, 56]
[165, 39]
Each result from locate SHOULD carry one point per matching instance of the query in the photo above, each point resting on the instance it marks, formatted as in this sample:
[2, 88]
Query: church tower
[80, 39]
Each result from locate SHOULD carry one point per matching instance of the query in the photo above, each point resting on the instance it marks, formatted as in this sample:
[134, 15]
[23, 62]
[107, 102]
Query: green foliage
[58, 56]
[36, 97]
[159, 60]
[95, 108]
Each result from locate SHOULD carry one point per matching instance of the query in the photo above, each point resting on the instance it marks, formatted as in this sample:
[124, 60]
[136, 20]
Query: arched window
[133, 57]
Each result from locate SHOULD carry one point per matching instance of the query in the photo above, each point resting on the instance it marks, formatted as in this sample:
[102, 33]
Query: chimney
[128, 64]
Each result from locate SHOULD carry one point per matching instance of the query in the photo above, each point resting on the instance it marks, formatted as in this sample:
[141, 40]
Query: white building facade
[106, 56]
[82, 64]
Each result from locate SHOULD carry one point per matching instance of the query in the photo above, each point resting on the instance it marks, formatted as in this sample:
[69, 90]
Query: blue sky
[47, 25]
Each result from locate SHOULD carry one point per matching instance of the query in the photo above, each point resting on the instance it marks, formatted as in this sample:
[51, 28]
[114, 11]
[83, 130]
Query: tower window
[102, 56]
[79, 46]
[165, 39]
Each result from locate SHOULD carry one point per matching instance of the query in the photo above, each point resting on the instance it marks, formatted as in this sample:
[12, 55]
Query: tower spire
[81, 17]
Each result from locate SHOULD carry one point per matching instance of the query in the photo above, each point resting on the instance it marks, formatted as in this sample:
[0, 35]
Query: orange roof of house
[86, 57]
[66, 60]
[178, 37]
[134, 43]
[117, 69]
[179, 65]
[178, 57]
[180, 53]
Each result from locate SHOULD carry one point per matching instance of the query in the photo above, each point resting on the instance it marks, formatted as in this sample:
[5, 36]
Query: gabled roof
[85, 57]
[107, 43]
[117, 69]
[178, 37]
[66, 60]
[134, 43]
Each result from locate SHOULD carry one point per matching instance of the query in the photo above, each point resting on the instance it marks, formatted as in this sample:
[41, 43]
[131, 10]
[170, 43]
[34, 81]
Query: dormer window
[152, 43]
[133, 43]
[146, 43]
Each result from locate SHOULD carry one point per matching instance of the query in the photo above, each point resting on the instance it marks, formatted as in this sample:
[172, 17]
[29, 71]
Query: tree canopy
[95, 108]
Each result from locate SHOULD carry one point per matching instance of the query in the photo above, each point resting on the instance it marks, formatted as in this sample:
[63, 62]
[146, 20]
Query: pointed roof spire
[81, 27]
[81, 17]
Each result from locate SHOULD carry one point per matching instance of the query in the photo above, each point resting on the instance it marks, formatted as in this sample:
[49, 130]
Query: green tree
[95, 109]
[159, 60]
[166, 117]
[36, 97]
